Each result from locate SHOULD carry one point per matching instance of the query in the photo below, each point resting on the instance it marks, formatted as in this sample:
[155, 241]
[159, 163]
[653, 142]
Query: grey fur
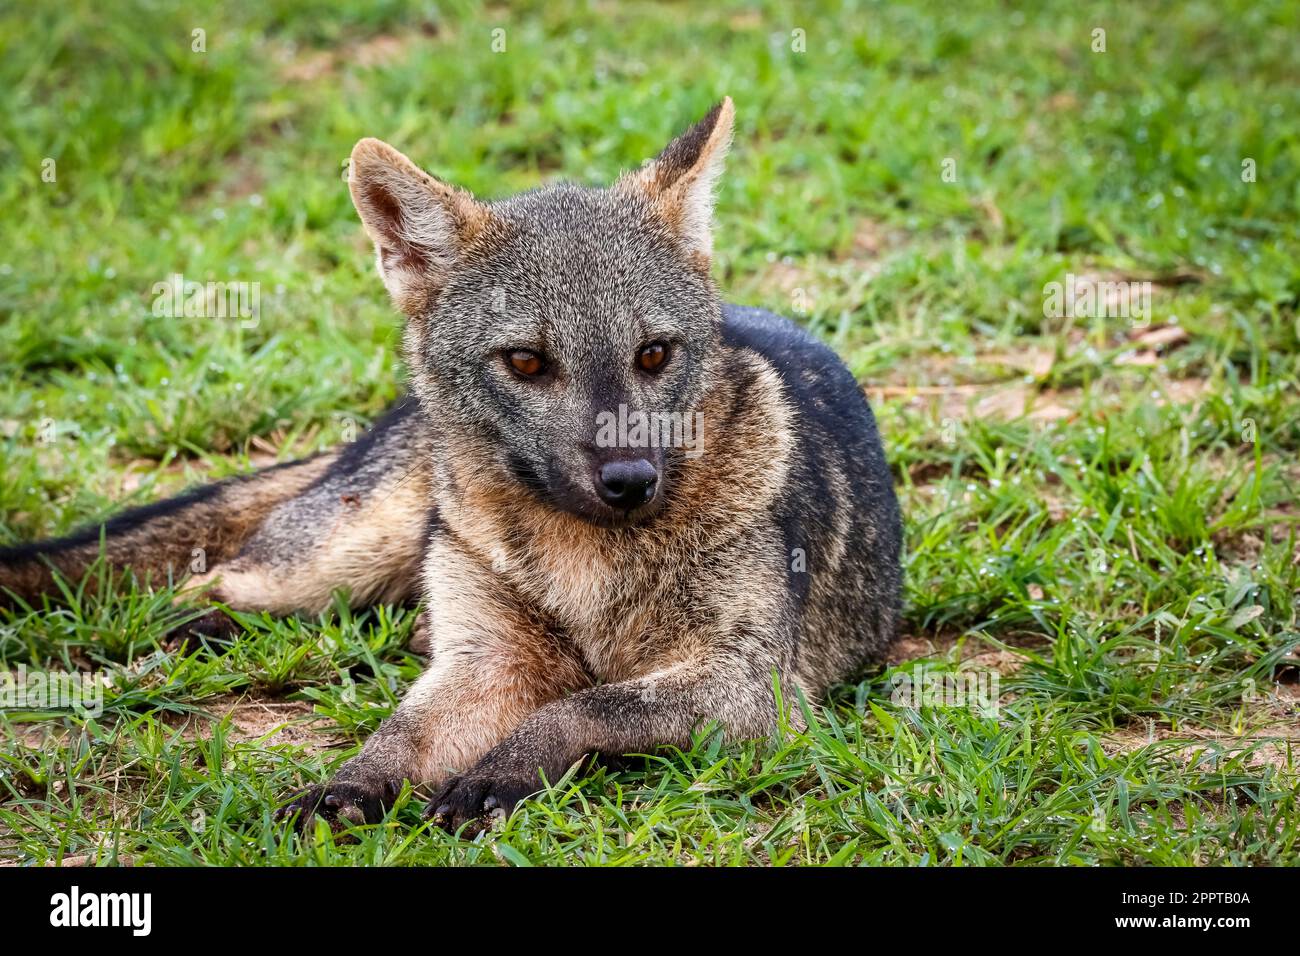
[559, 625]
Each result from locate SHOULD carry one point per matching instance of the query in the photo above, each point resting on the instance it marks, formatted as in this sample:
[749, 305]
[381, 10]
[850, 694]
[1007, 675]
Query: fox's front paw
[341, 802]
[477, 799]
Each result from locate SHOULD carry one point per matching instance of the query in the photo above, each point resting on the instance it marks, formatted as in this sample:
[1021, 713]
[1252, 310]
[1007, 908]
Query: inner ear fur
[680, 182]
[420, 225]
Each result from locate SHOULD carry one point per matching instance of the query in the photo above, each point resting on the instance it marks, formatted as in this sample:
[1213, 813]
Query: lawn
[1101, 501]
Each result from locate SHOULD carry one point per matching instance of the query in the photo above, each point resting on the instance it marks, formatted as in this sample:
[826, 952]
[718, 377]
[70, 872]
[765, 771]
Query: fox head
[536, 322]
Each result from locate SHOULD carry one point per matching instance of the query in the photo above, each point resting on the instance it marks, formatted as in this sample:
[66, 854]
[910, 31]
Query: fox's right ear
[420, 225]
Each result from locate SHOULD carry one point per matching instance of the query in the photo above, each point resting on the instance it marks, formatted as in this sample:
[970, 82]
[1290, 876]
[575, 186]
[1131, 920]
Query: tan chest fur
[623, 597]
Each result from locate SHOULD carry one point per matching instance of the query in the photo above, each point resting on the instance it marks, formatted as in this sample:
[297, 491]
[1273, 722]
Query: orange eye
[652, 356]
[527, 363]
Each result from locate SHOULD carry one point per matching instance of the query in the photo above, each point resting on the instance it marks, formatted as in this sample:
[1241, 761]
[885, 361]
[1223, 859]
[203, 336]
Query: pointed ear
[681, 181]
[420, 225]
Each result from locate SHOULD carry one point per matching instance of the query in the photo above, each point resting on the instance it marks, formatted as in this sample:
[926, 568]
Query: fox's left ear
[680, 182]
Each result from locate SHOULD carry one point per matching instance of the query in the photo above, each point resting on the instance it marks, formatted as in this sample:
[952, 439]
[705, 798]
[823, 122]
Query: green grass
[1118, 538]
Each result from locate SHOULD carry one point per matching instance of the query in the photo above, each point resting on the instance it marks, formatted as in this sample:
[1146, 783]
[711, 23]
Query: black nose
[626, 484]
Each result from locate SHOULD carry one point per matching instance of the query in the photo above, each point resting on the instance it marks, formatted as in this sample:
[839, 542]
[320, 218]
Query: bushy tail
[162, 541]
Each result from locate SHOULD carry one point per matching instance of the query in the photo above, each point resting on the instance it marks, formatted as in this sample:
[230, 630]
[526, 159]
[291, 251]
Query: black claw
[340, 803]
